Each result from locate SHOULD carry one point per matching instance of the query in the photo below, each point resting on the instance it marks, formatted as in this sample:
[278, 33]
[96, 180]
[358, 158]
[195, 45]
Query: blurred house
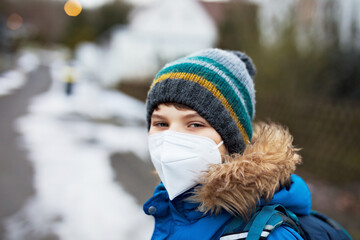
[156, 34]
[215, 9]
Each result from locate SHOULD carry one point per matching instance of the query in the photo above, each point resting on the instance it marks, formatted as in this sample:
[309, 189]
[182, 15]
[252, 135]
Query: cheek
[151, 131]
[223, 152]
[215, 136]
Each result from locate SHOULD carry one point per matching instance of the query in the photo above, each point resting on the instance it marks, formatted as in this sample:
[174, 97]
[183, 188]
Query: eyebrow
[189, 115]
[155, 115]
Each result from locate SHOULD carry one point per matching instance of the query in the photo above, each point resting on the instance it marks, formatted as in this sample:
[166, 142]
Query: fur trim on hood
[238, 184]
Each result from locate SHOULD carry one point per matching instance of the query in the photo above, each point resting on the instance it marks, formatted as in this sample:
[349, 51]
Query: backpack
[315, 226]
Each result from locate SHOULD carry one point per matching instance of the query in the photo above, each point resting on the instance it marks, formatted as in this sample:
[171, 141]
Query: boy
[214, 164]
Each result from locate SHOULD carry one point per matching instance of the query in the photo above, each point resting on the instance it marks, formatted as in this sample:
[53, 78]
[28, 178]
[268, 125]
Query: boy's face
[167, 117]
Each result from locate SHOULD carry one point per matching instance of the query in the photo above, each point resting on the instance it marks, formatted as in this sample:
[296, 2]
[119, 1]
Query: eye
[196, 125]
[160, 124]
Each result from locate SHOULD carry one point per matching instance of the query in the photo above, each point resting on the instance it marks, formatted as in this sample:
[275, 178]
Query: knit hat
[218, 85]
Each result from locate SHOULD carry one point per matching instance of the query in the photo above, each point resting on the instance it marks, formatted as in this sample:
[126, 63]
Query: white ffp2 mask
[180, 158]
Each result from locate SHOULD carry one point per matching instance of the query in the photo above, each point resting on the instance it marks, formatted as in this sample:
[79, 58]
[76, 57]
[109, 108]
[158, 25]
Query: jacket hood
[246, 180]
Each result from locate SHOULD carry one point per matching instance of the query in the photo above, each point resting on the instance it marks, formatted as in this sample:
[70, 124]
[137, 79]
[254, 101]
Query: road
[16, 173]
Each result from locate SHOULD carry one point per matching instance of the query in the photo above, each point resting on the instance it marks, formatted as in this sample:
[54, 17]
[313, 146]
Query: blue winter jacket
[265, 165]
[179, 219]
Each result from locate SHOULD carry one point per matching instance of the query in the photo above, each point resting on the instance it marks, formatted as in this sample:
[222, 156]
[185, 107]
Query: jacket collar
[238, 185]
[181, 208]
[181, 219]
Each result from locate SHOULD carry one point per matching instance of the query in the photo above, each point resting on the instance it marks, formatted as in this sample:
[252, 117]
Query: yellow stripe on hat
[211, 88]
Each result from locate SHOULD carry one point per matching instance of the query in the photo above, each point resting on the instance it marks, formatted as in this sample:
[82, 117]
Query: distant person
[69, 80]
[218, 170]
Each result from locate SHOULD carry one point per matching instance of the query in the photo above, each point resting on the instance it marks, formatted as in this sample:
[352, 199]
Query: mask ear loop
[221, 143]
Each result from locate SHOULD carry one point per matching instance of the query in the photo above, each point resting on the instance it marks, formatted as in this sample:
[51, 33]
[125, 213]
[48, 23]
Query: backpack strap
[315, 226]
[258, 225]
[261, 224]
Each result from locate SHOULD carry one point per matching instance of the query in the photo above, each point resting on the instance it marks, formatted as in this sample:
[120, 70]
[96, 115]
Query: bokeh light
[72, 8]
[14, 21]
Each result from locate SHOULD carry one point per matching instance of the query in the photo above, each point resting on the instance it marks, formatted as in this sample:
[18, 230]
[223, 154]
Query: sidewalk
[16, 172]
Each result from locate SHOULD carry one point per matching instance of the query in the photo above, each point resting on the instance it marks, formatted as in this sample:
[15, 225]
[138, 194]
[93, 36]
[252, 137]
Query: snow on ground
[69, 140]
[14, 79]
[10, 81]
